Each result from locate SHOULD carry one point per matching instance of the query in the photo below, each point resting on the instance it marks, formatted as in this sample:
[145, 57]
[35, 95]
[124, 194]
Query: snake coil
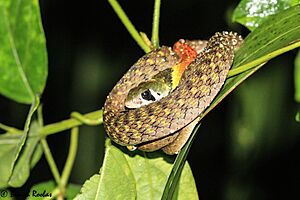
[199, 85]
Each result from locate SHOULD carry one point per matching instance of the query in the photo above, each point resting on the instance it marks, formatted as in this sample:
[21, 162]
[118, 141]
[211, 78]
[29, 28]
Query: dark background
[247, 148]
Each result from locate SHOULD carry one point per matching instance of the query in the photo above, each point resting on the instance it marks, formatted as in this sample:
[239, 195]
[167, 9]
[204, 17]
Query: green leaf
[42, 190]
[116, 180]
[29, 156]
[297, 78]
[135, 176]
[46, 189]
[11, 149]
[271, 38]
[72, 191]
[251, 13]
[23, 56]
[264, 43]
[89, 188]
[151, 172]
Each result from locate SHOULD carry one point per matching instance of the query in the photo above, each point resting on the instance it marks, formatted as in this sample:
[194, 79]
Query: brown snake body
[198, 86]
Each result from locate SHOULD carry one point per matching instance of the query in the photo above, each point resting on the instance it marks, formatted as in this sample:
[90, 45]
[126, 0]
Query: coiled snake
[167, 123]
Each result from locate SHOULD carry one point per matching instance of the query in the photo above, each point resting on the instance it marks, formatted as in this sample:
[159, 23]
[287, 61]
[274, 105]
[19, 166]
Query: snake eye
[147, 95]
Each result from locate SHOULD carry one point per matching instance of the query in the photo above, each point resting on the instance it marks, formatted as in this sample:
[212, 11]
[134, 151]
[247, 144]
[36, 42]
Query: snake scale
[159, 123]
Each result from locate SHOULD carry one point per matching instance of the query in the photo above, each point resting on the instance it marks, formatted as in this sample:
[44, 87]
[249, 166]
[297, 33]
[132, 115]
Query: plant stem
[155, 24]
[71, 156]
[69, 123]
[88, 121]
[62, 125]
[146, 39]
[129, 26]
[40, 116]
[10, 129]
[50, 161]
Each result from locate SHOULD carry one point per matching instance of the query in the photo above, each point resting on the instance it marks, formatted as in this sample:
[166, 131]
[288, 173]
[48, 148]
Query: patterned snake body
[198, 86]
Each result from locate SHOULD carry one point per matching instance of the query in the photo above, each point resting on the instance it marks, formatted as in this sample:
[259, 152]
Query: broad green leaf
[135, 176]
[151, 172]
[264, 43]
[297, 78]
[115, 182]
[271, 38]
[89, 188]
[72, 191]
[42, 190]
[251, 13]
[47, 189]
[23, 56]
[297, 118]
[11, 154]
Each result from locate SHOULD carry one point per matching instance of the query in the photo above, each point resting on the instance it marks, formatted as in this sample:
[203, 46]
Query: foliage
[23, 68]
[134, 181]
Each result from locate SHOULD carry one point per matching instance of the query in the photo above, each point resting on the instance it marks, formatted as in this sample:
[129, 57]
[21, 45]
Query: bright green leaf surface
[41, 190]
[23, 56]
[72, 191]
[89, 188]
[15, 165]
[22, 169]
[116, 180]
[251, 13]
[135, 176]
[151, 171]
[44, 188]
[297, 77]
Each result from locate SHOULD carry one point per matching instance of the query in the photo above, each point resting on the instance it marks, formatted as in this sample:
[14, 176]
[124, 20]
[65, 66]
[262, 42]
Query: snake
[167, 119]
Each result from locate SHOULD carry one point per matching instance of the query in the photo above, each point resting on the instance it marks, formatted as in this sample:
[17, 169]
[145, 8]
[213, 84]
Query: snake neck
[162, 63]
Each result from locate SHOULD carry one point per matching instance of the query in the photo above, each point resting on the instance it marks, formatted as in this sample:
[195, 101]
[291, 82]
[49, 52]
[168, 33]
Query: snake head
[147, 92]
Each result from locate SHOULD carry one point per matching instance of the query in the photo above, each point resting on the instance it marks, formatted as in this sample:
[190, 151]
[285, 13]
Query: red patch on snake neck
[186, 53]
